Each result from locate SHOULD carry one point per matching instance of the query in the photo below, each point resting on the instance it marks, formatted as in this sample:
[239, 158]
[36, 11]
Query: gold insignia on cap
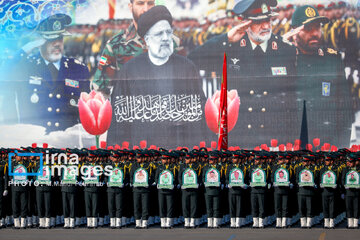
[57, 26]
[264, 8]
[331, 51]
[310, 12]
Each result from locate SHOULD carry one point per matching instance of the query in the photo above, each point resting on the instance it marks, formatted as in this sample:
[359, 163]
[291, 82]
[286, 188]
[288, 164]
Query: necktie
[258, 51]
[54, 71]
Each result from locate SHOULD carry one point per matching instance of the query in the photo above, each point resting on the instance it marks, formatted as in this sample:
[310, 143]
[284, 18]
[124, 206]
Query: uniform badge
[243, 43]
[103, 60]
[274, 45]
[321, 52]
[279, 71]
[66, 65]
[77, 61]
[34, 98]
[264, 8]
[35, 80]
[57, 26]
[310, 12]
[235, 60]
[326, 89]
[73, 103]
[71, 83]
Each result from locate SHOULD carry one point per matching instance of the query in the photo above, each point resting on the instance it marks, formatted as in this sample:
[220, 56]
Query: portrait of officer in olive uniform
[46, 84]
[321, 81]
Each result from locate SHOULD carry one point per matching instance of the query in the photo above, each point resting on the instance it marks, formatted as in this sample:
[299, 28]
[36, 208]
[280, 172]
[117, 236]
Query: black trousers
[32, 208]
[166, 205]
[352, 206]
[91, 204]
[281, 205]
[306, 205]
[189, 203]
[213, 206]
[115, 204]
[328, 205]
[20, 203]
[258, 205]
[236, 205]
[141, 205]
[43, 199]
[68, 199]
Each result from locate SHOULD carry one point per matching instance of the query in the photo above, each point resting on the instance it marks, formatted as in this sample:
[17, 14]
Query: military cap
[54, 26]
[255, 9]
[307, 14]
[152, 16]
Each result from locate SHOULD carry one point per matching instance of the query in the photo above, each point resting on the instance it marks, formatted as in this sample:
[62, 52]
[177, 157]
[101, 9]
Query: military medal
[34, 98]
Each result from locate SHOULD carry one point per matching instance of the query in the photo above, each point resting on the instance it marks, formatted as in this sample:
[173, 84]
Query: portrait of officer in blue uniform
[46, 85]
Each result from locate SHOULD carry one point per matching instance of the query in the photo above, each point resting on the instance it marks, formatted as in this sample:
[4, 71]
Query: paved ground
[182, 234]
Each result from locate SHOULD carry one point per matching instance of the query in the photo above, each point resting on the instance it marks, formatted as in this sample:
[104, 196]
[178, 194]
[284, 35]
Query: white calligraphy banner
[157, 108]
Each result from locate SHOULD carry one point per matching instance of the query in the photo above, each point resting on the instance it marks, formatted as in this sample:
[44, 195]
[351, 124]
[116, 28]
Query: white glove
[222, 186]
[178, 186]
[5, 193]
[269, 185]
[334, 187]
[342, 196]
[291, 186]
[32, 45]
[154, 184]
[157, 186]
[228, 186]
[130, 185]
[315, 186]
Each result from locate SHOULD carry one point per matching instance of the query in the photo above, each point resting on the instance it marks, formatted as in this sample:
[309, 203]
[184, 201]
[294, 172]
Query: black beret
[154, 15]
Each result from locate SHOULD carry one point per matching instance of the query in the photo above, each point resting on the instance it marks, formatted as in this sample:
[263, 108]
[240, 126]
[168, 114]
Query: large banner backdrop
[106, 85]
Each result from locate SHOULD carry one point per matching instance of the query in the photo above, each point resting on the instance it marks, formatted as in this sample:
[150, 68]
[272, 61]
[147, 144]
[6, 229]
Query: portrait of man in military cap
[261, 67]
[321, 81]
[47, 88]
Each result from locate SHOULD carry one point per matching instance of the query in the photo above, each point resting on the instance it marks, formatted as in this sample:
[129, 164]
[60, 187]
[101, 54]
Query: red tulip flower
[274, 143]
[281, 147]
[327, 146]
[316, 142]
[212, 110]
[334, 148]
[309, 147]
[257, 148]
[95, 113]
[263, 146]
[289, 147]
[297, 142]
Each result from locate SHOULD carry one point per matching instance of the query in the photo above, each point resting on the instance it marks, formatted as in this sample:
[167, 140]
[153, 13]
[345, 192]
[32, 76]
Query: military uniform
[350, 180]
[44, 194]
[93, 184]
[236, 181]
[259, 176]
[306, 179]
[263, 75]
[329, 180]
[19, 189]
[115, 192]
[282, 180]
[141, 178]
[166, 181]
[189, 180]
[47, 92]
[213, 180]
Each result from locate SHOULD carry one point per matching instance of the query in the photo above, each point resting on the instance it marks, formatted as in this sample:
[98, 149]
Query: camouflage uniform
[120, 49]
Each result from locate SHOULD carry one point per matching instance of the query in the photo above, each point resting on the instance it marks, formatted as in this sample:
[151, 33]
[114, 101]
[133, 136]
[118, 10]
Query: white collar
[56, 64]
[262, 45]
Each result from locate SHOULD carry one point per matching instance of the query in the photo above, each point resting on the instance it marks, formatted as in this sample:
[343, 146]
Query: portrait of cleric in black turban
[157, 96]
